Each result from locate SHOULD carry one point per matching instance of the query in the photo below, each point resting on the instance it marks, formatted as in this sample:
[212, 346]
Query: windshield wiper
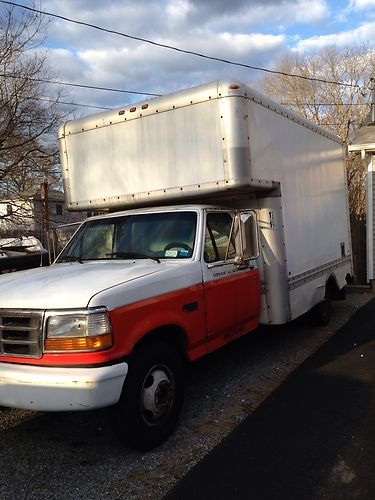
[133, 255]
[70, 258]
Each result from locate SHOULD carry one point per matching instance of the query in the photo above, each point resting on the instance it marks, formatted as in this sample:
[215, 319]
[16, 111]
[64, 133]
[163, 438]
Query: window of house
[59, 209]
[9, 209]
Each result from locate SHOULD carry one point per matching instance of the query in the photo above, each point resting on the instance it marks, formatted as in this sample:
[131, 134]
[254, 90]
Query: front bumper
[60, 389]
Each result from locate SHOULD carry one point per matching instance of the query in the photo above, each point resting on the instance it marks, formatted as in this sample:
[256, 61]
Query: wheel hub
[157, 395]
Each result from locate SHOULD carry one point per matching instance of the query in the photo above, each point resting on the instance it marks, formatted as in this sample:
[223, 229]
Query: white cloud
[151, 69]
[308, 11]
[361, 4]
[245, 44]
[244, 31]
[178, 10]
[362, 34]
[265, 15]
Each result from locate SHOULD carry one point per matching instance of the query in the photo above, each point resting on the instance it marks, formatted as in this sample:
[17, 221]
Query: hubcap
[157, 395]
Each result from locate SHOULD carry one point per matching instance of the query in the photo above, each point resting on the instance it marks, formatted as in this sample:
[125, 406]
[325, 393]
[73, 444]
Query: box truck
[225, 210]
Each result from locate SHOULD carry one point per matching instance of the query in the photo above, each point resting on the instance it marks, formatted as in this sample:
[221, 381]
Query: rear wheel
[152, 396]
[321, 313]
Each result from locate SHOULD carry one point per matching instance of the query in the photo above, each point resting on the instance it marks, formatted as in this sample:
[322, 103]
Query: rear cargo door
[231, 294]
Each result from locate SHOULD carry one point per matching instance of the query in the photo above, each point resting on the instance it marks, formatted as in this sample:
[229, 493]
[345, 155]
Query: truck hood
[69, 285]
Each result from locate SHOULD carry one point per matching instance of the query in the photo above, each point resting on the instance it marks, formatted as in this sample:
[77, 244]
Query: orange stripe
[132, 322]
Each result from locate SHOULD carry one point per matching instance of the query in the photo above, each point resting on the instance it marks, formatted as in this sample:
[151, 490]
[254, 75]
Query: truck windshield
[167, 235]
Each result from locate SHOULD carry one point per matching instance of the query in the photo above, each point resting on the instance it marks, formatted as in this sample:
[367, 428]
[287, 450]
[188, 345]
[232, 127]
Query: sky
[253, 32]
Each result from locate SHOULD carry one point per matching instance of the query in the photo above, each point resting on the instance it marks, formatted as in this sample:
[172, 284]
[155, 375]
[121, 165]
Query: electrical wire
[136, 92]
[325, 104]
[68, 103]
[79, 85]
[177, 49]
[44, 80]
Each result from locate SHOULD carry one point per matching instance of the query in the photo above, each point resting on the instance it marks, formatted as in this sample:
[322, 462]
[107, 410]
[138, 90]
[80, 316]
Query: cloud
[245, 16]
[169, 18]
[151, 69]
[251, 32]
[361, 4]
[362, 34]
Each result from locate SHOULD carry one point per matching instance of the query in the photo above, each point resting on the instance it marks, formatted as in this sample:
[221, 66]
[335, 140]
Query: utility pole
[372, 82]
[45, 211]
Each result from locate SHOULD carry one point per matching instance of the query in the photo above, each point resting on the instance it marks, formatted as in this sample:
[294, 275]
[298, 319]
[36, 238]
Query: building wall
[370, 217]
[27, 216]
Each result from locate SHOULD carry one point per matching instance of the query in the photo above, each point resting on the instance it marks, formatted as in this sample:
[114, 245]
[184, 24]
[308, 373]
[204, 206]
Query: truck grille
[21, 333]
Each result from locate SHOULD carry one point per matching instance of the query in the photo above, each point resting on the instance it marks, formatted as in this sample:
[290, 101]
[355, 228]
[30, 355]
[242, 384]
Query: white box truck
[234, 213]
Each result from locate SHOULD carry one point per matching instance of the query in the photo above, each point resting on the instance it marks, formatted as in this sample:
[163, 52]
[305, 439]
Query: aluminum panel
[310, 168]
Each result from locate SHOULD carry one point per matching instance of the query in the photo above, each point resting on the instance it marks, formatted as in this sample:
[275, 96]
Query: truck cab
[179, 281]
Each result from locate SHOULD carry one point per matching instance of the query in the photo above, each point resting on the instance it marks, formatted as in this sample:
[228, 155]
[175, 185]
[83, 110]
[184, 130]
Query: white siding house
[364, 144]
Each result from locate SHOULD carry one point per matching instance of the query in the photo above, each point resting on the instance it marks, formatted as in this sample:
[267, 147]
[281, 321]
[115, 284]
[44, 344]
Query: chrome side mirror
[241, 262]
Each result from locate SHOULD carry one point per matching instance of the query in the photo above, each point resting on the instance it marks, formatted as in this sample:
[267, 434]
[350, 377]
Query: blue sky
[255, 32]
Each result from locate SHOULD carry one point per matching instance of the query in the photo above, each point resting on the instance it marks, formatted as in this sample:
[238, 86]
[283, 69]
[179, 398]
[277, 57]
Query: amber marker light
[79, 344]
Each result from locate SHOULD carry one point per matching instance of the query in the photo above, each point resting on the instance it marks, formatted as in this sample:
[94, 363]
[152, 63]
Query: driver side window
[218, 237]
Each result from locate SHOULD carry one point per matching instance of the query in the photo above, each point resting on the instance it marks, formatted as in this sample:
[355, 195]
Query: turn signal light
[78, 343]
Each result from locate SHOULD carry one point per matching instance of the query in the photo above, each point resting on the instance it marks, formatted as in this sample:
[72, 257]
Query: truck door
[231, 291]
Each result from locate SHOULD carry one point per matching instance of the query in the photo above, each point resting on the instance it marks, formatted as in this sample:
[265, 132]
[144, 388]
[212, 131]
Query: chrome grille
[21, 333]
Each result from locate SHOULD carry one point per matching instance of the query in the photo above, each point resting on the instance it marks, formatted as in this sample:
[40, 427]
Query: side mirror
[241, 262]
[248, 236]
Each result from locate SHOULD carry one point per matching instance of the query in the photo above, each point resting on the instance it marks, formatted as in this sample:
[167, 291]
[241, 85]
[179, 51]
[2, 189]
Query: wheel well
[172, 334]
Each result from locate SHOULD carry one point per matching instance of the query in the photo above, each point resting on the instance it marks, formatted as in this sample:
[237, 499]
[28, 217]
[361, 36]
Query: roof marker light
[132, 109]
[122, 112]
[144, 106]
[234, 86]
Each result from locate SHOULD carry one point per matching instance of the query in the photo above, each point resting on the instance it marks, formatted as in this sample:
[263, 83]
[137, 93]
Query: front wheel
[152, 396]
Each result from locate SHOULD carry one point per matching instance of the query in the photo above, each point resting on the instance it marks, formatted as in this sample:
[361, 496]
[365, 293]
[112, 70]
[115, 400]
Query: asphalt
[312, 438]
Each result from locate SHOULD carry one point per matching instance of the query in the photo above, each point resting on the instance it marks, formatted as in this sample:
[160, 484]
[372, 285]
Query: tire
[152, 396]
[321, 313]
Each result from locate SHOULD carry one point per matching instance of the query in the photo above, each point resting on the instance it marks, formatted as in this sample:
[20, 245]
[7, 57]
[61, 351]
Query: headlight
[83, 330]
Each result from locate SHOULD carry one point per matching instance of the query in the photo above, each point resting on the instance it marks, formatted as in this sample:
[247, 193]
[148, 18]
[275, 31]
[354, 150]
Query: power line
[177, 49]
[325, 104]
[79, 85]
[93, 87]
[111, 108]
[68, 103]
[136, 92]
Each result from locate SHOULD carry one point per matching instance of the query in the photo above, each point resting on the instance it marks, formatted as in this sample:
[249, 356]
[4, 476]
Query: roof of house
[364, 139]
[53, 195]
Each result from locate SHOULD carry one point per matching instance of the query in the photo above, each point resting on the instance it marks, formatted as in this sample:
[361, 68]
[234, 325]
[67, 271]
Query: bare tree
[29, 113]
[338, 108]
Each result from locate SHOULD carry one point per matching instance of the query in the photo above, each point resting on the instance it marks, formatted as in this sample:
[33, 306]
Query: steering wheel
[177, 244]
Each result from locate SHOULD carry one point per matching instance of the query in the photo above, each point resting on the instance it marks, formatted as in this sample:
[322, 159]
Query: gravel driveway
[74, 455]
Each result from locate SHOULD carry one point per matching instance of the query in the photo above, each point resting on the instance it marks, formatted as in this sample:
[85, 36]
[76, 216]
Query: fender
[182, 308]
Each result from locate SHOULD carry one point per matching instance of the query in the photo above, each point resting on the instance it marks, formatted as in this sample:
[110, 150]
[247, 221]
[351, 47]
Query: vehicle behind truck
[225, 210]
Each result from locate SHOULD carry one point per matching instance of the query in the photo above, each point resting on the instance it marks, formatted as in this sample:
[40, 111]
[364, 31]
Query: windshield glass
[169, 235]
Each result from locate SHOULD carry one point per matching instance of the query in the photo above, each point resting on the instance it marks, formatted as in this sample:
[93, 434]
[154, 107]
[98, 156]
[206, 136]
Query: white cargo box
[226, 144]
[219, 137]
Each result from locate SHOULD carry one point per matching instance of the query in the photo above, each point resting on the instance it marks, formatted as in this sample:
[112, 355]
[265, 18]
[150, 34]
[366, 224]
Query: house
[32, 215]
[364, 144]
